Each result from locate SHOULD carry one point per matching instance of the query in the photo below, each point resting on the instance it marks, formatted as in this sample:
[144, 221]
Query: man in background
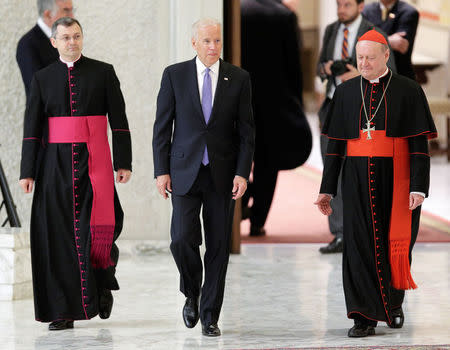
[399, 20]
[337, 64]
[271, 54]
[34, 50]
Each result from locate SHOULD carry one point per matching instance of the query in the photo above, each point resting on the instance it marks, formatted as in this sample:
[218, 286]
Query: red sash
[400, 226]
[92, 131]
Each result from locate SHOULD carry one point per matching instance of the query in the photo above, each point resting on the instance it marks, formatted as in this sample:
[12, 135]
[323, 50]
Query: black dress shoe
[257, 231]
[397, 318]
[105, 304]
[60, 325]
[335, 246]
[190, 312]
[211, 330]
[358, 331]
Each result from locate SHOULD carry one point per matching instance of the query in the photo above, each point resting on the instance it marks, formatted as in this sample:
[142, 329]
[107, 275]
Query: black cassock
[65, 284]
[403, 113]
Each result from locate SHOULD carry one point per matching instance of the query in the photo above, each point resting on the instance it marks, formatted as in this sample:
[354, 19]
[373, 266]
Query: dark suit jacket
[329, 40]
[180, 132]
[403, 18]
[34, 52]
[271, 54]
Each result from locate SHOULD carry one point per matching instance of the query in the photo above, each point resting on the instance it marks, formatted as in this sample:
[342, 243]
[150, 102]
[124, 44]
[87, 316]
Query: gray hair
[44, 5]
[65, 22]
[204, 22]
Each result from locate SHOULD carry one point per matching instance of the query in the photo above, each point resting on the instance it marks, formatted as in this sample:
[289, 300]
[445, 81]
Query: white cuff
[419, 193]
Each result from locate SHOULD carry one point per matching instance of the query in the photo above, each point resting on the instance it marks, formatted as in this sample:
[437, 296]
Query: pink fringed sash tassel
[92, 131]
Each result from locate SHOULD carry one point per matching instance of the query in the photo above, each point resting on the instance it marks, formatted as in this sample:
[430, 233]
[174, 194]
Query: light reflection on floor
[276, 296]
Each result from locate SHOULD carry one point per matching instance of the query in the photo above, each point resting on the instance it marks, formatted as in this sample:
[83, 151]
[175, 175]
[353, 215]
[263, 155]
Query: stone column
[15, 264]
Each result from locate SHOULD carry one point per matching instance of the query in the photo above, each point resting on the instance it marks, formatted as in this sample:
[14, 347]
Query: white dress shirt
[337, 53]
[214, 74]
[45, 28]
[389, 7]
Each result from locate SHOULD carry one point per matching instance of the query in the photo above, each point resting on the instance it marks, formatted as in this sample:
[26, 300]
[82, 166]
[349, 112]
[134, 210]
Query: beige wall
[139, 38]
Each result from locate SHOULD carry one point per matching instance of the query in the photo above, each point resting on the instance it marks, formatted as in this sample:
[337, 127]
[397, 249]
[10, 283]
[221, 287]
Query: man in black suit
[399, 20]
[34, 50]
[203, 142]
[283, 136]
[337, 63]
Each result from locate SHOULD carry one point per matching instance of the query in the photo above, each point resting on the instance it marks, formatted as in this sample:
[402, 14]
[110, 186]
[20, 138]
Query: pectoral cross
[368, 129]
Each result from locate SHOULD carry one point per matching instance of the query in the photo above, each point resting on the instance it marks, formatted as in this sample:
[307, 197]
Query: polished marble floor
[277, 296]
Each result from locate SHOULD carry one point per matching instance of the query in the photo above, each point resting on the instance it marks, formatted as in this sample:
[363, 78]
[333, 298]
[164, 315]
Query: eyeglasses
[67, 38]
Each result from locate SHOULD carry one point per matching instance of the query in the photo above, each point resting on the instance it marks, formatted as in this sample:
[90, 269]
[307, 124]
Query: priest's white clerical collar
[69, 64]
[45, 28]
[377, 80]
[201, 67]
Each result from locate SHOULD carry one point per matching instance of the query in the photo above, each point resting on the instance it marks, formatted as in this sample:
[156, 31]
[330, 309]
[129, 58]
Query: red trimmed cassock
[378, 174]
[76, 214]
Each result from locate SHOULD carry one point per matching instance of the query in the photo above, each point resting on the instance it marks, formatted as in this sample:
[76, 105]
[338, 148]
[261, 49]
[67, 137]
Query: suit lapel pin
[392, 15]
[225, 78]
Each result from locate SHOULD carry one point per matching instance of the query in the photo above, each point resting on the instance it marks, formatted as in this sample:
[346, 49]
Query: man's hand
[123, 176]
[352, 72]
[239, 186]
[327, 67]
[398, 42]
[164, 183]
[26, 184]
[323, 203]
[415, 200]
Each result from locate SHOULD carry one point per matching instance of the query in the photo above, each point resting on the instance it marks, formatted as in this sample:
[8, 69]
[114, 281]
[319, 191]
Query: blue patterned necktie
[206, 105]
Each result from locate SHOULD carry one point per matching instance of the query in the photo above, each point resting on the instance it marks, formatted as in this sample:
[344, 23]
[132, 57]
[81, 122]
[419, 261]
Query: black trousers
[187, 237]
[261, 189]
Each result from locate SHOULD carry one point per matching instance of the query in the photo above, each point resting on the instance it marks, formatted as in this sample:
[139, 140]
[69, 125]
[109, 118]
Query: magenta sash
[92, 131]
